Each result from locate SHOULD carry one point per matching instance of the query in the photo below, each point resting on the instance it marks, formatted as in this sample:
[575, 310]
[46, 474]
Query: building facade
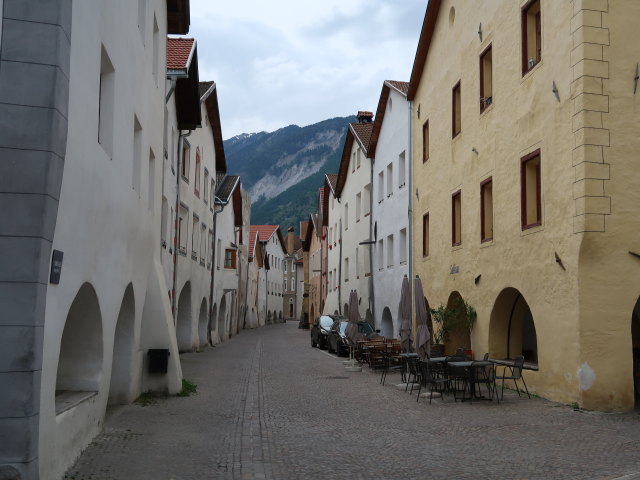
[388, 150]
[525, 204]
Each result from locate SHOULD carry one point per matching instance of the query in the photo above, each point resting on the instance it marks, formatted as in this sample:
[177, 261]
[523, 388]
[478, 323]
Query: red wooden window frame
[483, 207]
[425, 235]
[525, 42]
[483, 103]
[456, 109]
[425, 142]
[454, 227]
[230, 260]
[523, 190]
[196, 179]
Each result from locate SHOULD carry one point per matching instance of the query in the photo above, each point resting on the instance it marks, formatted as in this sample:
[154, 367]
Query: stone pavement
[270, 407]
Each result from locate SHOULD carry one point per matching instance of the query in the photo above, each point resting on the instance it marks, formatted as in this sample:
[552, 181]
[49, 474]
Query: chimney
[290, 240]
[364, 117]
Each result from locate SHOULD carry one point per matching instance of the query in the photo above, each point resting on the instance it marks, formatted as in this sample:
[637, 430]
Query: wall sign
[56, 267]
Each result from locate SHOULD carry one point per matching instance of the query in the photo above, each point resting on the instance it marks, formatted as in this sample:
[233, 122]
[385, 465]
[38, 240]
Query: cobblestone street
[270, 407]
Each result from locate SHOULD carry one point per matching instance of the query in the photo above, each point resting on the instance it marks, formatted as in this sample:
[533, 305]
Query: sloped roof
[428, 26]
[213, 112]
[321, 211]
[360, 132]
[254, 237]
[311, 223]
[178, 17]
[400, 87]
[303, 229]
[266, 232]
[204, 88]
[180, 53]
[332, 180]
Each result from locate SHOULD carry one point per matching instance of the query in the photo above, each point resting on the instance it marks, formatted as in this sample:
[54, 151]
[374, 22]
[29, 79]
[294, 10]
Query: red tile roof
[402, 87]
[179, 53]
[364, 113]
[332, 178]
[253, 238]
[363, 134]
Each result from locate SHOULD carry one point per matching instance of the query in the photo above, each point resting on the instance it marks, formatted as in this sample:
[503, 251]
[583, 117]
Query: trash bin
[158, 360]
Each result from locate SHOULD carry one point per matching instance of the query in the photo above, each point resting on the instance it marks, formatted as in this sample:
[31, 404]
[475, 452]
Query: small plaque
[56, 267]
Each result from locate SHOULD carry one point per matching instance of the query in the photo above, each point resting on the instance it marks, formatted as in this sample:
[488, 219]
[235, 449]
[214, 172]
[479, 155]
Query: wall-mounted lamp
[477, 279]
[636, 78]
[417, 194]
[475, 150]
[418, 111]
[559, 261]
[554, 89]
[480, 31]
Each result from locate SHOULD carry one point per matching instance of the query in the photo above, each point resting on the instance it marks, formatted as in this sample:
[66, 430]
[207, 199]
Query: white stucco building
[389, 212]
[271, 276]
[349, 224]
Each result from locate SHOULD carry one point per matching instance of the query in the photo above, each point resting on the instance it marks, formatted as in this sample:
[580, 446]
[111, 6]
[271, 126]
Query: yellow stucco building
[526, 191]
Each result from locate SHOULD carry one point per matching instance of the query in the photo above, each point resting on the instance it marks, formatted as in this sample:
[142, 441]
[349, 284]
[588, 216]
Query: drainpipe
[372, 296]
[410, 218]
[340, 271]
[174, 303]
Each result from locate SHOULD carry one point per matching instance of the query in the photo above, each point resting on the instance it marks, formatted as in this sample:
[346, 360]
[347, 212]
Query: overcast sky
[283, 62]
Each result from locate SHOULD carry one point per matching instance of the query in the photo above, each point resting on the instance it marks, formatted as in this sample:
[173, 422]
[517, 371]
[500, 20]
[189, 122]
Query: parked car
[320, 331]
[338, 340]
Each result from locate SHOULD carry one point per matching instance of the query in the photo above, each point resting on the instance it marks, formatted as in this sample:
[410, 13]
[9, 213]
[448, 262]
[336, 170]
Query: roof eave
[428, 27]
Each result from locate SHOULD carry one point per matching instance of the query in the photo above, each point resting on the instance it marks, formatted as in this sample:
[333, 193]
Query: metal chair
[516, 374]
[391, 363]
[430, 377]
[485, 375]
[413, 373]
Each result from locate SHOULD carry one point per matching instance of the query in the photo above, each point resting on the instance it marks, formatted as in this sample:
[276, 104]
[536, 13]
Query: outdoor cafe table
[470, 366]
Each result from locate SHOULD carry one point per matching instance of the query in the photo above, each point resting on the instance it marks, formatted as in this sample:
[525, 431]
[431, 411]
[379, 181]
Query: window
[203, 243]
[366, 200]
[156, 50]
[163, 221]
[357, 262]
[486, 79]
[210, 247]
[358, 154]
[205, 195]
[402, 170]
[194, 238]
[218, 249]
[353, 162]
[137, 154]
[346, 216]
[106, 103]
[212, 192]
[530, 189]
[389, 180]
[285, 284]
[358, 205]
[380, 187]
[380, 254]
[456, 218]
[151, 186]
[456, 111]
[425, 142]
[196, 178]
[346, 269]
[186, 153]
[486, 210]
[285, 266]
[230, 258]
[366, 260]
[425, 235]
[403, 246]
[390, 252]
[183, 213]
[531, 36]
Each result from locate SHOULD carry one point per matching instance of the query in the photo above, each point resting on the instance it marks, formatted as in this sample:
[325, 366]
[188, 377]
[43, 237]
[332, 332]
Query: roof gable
[213, 112]
[387, 86]
[187, 94]
[361, 133]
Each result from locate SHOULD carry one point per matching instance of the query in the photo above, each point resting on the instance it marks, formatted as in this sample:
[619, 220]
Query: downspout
[174, 304]
[410, 218]
[340, 271]
[372, 296]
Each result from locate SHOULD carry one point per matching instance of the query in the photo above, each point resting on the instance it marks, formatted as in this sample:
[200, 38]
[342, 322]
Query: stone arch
[123, 348]
[345, 312]
[635, 342]
[81, 346]
[280, 316]
[222, 317]
[512, 331]
[336, 312]
[203, 322]
[386, 326]
[459, 336]
[185, 320]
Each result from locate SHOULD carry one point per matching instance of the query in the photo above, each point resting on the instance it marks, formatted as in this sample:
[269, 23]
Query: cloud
[279, 63]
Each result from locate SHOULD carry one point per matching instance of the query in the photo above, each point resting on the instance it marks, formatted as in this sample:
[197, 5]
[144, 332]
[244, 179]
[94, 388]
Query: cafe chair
[429, 377]
[516, 374]
[486, 375]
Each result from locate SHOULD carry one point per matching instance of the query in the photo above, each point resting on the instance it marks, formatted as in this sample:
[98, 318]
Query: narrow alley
[268, 406]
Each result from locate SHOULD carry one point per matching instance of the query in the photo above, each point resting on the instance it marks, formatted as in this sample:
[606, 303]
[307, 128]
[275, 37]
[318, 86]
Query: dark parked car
[337, 339]
[320, 331]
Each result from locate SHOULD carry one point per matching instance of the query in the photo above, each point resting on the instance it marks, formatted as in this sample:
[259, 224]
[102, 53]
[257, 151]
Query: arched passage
[459, 335]
[635, 342]
[80, 361]
[123, 347]
[313, 314]
[222, 315]
[386, 327]
[512, 331]
[203, 322]
[345, 311]
[184, 323]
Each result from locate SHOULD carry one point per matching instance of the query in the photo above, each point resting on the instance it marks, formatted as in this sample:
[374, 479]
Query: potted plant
[444, 321]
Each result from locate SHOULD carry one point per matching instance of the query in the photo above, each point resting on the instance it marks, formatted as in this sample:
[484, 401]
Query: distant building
[291, 288]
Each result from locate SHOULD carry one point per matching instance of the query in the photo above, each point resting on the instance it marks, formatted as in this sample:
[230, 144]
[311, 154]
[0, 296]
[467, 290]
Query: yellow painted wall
[581, 314]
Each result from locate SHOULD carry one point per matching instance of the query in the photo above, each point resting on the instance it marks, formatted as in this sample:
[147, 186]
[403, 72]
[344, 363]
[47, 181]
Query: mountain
[283, 170]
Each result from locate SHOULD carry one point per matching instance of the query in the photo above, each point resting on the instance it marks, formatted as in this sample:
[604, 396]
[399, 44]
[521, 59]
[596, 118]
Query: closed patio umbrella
[423, 340]
[404, 313]
[354, 318]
